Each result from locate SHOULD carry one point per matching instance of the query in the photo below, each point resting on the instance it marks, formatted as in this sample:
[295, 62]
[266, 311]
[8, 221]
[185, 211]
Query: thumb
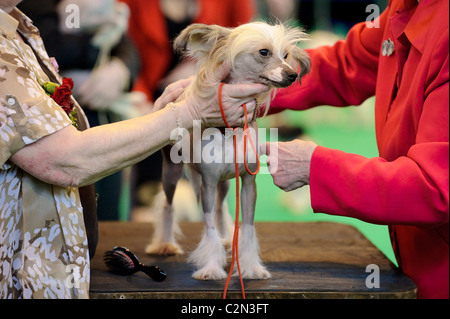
[222, 71]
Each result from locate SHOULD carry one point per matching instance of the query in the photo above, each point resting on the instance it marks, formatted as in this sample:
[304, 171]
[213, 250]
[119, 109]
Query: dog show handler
[404, 63]
[44, 159]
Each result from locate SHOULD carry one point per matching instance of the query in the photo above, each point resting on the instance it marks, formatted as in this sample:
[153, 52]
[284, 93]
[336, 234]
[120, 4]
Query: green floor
[348, 129]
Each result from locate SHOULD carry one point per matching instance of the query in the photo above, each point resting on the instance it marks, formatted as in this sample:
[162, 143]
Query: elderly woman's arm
[72, 158]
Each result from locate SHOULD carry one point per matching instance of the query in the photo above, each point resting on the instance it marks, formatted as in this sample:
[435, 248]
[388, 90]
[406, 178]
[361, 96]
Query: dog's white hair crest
[255, 34]
[258, 52]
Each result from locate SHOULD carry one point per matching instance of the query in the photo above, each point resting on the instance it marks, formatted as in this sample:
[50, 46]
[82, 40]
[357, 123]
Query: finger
[188, 81]
[244, 90]
[250, 108]
[293, 186]
[222, 71]
[184, 83]
[174, 94]
[241, 111]
[250, 104]
[169, 96]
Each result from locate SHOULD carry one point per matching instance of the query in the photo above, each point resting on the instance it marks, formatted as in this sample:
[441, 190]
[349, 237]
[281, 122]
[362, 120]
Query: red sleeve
[412, 190]
[341, 75]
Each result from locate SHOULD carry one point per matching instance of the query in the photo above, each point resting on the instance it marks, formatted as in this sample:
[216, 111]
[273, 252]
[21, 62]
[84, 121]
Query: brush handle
[154, 272]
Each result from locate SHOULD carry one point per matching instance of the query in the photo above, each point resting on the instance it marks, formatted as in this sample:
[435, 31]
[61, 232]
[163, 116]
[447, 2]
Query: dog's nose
[292, 77]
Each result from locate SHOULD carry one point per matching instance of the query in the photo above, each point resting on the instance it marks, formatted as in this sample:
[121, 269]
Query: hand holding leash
[289, 163]
[203, 105]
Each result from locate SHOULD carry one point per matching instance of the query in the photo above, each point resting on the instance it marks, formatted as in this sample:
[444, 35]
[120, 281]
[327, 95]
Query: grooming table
[306, 260]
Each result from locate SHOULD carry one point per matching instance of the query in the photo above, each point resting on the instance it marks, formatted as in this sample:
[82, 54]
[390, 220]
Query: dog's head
[258, 53]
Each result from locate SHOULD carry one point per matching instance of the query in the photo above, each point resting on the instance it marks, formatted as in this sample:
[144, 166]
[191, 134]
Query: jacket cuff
[323, 168]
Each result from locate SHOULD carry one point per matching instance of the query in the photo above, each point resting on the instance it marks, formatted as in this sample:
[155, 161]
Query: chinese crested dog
[258, 53]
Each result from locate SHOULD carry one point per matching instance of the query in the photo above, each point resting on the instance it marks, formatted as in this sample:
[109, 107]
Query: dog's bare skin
[258, 53]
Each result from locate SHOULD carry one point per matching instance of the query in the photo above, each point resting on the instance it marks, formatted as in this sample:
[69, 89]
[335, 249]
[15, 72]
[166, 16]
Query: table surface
[306, 260]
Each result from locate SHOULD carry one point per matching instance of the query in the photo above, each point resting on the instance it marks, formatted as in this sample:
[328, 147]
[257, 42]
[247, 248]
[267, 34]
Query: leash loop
[235, 244]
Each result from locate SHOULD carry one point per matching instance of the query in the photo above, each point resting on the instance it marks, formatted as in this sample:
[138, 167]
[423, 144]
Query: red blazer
[407, 187]
[148, 30]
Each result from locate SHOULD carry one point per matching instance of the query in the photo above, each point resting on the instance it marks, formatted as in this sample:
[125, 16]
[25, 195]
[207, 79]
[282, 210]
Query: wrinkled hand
[289, 163]
[171, 93]
[104, 85]
[204, 105]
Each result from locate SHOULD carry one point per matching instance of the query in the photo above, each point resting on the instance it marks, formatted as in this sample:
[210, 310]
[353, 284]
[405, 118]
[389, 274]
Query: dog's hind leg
[224, 222]
[249, 260]
[209, 257]
[163, 242]
[195, 179]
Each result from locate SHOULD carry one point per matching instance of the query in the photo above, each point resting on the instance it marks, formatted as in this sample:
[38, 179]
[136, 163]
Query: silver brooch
[387, 48]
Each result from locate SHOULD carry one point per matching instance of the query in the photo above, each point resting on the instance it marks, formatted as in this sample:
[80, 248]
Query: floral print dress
[43, 244]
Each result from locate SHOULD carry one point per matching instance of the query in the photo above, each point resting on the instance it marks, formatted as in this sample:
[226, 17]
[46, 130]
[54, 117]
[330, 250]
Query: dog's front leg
[209, 258]
[249, 260]
[164, 242]
[224, 222]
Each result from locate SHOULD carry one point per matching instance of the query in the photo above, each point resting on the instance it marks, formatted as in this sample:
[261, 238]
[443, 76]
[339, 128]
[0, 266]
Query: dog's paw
[164, 249]
[227, 241]
[210, 273]
[255, 272]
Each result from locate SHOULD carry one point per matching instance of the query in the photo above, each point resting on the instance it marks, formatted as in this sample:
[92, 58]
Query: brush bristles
[119, 263]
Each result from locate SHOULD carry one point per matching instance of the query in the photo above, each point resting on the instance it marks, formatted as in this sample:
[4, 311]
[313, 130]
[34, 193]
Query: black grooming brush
[122, 261]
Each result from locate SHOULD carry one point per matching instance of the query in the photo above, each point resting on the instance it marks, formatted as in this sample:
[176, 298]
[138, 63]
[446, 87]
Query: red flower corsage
[62, 95]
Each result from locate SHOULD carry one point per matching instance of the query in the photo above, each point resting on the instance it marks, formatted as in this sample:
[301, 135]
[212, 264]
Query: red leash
[235, 244]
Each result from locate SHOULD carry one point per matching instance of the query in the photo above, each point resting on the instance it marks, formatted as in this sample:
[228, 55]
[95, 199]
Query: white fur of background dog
[258, 53]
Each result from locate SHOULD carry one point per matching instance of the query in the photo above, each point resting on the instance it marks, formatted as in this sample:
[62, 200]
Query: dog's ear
[197, 40]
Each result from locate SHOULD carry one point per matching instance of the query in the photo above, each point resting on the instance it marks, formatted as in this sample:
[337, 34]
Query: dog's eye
[286, 56]
[264, 52]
